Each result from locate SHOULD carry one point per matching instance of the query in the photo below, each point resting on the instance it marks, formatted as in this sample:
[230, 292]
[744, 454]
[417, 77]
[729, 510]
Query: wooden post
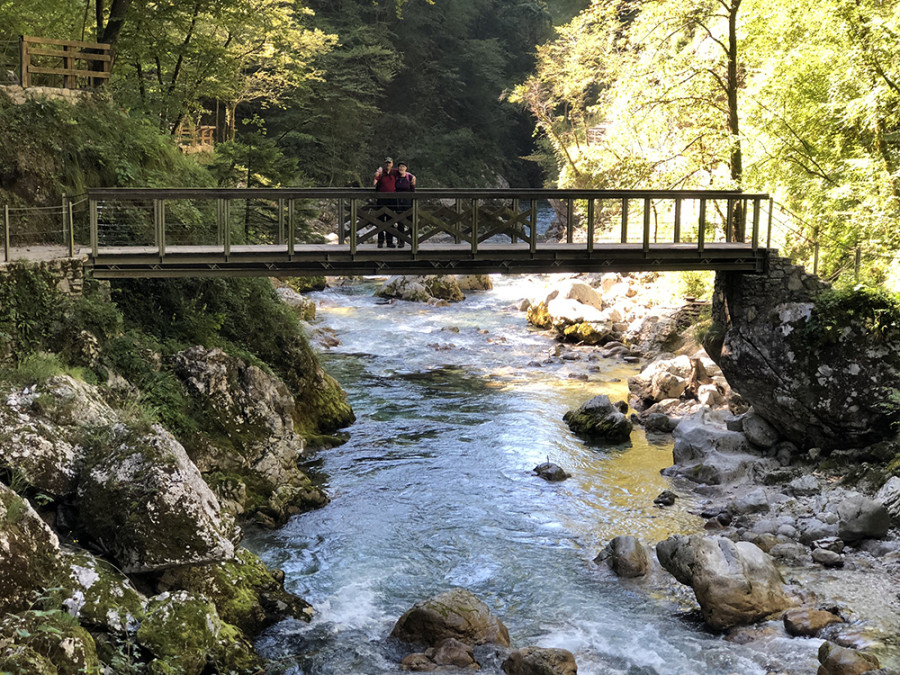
[624, 220]
[646, 242]
[677, 237]
[71, 81]
[92, 208]
[769, 233]
[590, 224]
[280, 222]
[6, 233]
[570, 220]
[701, 225]
[291, 229]
[24, 63]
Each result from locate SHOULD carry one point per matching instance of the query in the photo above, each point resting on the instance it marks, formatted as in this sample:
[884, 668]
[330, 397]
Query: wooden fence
[69, 61]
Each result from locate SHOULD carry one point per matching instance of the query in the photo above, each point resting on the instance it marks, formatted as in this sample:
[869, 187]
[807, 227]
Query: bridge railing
[223, 220]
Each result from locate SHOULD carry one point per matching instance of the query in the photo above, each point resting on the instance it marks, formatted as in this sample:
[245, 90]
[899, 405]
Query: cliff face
[821, 371]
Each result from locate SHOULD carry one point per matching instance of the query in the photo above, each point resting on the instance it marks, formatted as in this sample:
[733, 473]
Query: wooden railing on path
[193, 232]
[69, 59]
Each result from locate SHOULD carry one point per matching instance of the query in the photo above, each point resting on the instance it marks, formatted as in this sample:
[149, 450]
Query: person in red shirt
[404, 182]
[386, 181]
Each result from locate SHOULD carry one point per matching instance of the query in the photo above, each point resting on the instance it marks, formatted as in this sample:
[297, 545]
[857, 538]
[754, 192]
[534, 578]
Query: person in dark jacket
[385, 181]
[404, 182]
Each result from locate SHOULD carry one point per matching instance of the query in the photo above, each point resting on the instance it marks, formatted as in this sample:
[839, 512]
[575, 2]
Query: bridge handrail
[423, 193]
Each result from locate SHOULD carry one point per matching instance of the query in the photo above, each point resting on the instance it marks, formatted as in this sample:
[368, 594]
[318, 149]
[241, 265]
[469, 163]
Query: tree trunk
[736, 157]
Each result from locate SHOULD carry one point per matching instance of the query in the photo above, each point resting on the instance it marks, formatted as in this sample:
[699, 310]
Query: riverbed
[434, 489]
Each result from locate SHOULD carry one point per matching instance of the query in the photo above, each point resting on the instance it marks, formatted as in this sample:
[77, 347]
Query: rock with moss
[458, 614]
[186, 636]
[41, 425]
[251, 449]
[97, 594]
[303, 307]
[143, 499]
[474, 282]
[422, 289]
[16, 658]
[245, 592]
[30, 552]
[820, 365]
[599, 421]
[54, 636]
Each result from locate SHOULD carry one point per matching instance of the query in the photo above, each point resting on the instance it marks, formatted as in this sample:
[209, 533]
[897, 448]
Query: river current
[434, 489]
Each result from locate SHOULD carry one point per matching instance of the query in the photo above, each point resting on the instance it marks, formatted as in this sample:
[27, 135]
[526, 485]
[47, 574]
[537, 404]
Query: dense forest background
[798, 99]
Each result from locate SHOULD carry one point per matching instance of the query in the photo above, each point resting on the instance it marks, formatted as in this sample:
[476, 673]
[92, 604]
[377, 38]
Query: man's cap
[388, 159]
[402, 164]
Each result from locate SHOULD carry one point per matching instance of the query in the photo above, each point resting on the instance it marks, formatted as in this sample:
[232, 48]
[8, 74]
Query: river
[456, 405]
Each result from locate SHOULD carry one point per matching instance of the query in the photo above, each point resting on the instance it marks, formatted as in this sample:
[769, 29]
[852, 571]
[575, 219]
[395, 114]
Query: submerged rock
[806, 622]
[540, 661]
[456, 613]
[626, 556]
[551, 472]
[422, 288]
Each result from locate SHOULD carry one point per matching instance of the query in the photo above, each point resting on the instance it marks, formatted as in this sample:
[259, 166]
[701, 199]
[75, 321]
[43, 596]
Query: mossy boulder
[41, 424]
[422, 288]
[185, 635]
[588, 333]
[599, 421]
[251, 448]
[97, 594]
[245, 592]
[147, 504]
[24, 660]
[30, 552]
[303, 307]
[54, 636]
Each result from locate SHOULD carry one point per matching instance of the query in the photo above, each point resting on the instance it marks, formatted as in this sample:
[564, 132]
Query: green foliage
[873, 311]
[696, 284]
[29, 308]
[37, 367]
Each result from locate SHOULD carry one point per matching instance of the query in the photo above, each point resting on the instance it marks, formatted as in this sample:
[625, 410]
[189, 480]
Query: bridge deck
[335, 259]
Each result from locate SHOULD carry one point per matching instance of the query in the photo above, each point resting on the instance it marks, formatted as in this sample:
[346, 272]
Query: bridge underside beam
[333, 260]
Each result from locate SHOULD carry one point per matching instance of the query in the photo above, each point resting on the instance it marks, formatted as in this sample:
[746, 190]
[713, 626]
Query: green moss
[874, 312]
[55, 636]
[17, 659]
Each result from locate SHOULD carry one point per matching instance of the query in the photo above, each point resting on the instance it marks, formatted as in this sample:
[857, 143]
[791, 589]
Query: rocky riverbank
[795, 468]
[121, 533]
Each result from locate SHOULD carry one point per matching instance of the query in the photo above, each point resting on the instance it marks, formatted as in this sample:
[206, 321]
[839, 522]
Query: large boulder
[456, 613]
[599, 421]
[707, 452]
[540, 661]
[40, 423]
[837, 660]
[815, 370]
[143, 500]
[860, 517]
[303, 307]
[29, 552]
[422, 289]
[734, 583]
[889, 497]
[474, 282]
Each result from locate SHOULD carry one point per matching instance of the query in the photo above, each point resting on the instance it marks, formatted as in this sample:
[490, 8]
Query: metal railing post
[474, 226]
[226, 230]
[701, 226]
[280, 221]
[92, 208]
[769, 232]
[291, 229]
[570, 220]
[159, 213]
[457, 229]
[6, 233]
[729, 220]
[532, 234]
[220, 222]
[340, 223]
[677, 234]
[71, 232]
[354, 203]
[414, 227]
[757, 205]
[646, 235]
[624, 238]
[65, 219]
[590, 224]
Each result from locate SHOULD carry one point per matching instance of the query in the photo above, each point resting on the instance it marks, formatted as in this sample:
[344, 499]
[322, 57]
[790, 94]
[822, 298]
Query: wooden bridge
[266, 232]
